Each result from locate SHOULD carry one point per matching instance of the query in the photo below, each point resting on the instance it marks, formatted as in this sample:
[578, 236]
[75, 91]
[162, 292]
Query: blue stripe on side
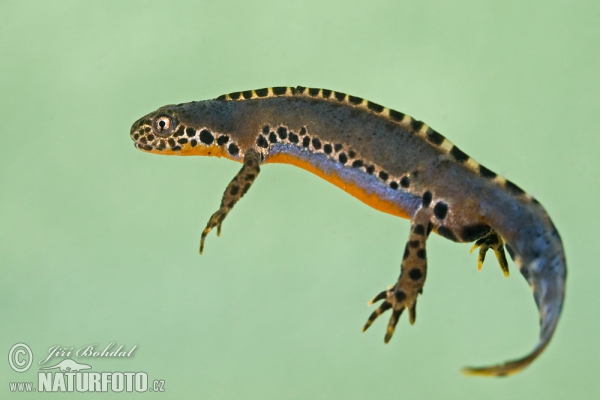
[354, 176]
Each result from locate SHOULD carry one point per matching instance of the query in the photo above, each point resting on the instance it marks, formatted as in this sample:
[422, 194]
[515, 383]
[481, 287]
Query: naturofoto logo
[68, 375]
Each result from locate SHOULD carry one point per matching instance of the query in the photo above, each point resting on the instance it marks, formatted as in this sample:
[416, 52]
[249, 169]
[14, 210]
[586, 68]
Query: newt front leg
[412, 276]
[238, 186]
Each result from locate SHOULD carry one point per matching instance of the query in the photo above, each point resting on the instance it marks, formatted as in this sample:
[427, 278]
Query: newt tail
[389, 161]
[546, 276]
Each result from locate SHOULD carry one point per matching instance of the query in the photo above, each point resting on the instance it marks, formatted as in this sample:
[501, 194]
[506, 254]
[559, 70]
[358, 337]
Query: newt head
[168, 131]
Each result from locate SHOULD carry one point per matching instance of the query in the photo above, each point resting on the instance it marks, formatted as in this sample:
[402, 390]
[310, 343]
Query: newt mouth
[143, 147]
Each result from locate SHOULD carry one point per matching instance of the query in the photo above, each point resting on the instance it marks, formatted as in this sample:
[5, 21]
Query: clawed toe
[395, 300]
[215, 221]
[379, 297]
[491, 241]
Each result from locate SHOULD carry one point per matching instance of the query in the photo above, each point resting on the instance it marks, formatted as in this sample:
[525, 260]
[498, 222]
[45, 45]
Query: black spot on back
[458, 154]
[396, 115]
[235, 95]
[266, 129]
[272, 137]
[486, 173]
[313, 92]
[416, 125]
[354, 100]
[262, 92]
[383, 175]
[328, 149]
[279, 90]
[326, 93]
[434, 137]
[357, 164]
[394, 185]
[343, 158]
[293, 137]
[337, 147]
[306, 141]
[374, 106]
[247, 94]
[405, 182]
[514, 189]
[370, 169]
[340, 96]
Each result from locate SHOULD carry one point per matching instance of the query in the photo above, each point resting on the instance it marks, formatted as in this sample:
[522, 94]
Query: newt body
[389, 161]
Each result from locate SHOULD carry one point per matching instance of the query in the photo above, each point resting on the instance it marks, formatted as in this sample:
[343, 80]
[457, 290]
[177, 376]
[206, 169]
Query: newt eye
[163, 125]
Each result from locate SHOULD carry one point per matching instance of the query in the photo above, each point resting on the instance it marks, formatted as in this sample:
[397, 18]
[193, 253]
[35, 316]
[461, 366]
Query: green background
[98, 241]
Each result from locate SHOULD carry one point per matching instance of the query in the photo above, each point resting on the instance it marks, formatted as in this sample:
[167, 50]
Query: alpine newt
[389, 161]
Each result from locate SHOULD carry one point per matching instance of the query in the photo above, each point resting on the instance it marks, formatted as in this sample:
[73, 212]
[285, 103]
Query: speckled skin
[386, 159]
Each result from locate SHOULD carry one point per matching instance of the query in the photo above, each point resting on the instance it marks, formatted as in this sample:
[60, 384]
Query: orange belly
[369, 198]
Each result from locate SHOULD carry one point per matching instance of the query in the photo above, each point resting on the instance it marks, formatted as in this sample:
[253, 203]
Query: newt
[389, 161]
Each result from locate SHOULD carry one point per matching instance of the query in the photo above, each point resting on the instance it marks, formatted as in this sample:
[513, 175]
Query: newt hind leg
[403, 295]
[238, 186]
[491, 241]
